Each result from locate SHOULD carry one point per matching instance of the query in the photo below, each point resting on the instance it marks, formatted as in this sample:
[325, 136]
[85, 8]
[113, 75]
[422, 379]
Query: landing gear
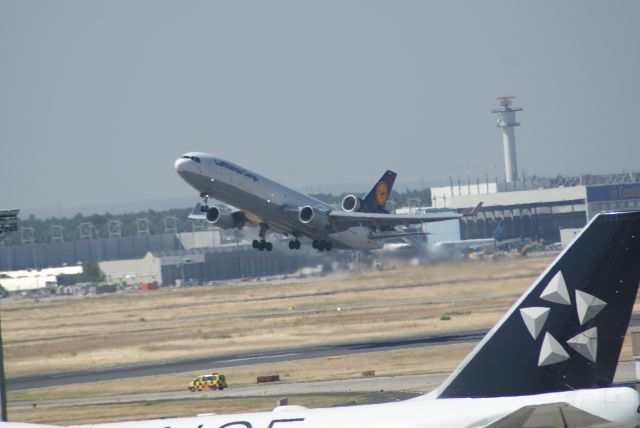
[295, 244]
[321, 245]
[205, 202]
[262, 244]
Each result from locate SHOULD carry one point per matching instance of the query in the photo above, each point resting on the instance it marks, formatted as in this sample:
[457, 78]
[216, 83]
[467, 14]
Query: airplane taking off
[549, 362]
[362, 224]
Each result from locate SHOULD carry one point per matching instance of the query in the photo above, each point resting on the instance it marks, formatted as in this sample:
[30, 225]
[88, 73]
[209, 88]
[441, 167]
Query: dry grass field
[132, 327]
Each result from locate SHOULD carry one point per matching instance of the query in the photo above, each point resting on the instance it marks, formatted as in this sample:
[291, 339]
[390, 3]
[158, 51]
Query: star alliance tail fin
[567, 330]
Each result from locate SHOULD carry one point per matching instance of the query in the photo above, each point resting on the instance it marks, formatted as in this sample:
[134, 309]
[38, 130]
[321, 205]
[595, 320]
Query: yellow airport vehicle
[208, 381]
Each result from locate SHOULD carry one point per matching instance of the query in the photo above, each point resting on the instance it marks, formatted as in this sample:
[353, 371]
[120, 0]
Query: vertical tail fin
[376, 199]
[566, 331]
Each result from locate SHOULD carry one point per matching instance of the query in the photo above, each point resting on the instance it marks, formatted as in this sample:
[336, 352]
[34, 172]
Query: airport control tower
[507, 121]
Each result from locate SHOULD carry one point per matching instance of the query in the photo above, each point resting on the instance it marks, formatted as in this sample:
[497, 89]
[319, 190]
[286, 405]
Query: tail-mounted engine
[351, 203]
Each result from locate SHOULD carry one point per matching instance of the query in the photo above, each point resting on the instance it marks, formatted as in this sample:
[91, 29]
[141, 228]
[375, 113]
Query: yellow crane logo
[382, 193]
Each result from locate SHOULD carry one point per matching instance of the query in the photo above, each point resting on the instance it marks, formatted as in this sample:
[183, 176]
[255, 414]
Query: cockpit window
[193, 158]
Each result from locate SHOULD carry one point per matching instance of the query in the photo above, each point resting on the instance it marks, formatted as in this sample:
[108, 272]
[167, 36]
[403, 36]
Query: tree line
[94, 226]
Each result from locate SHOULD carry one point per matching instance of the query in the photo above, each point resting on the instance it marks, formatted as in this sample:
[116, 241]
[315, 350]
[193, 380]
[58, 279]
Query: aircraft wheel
[298, 245]
[292, 245]
[328, 246]
[268, 246]
[315, 244]
[256, 243]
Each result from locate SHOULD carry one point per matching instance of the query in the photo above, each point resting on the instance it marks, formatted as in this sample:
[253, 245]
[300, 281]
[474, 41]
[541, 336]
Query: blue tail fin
[567, 330]
[377, 197]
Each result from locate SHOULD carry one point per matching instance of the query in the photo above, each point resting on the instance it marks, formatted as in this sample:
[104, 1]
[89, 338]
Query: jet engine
[313, 217]
[351, 203]
[222, 220]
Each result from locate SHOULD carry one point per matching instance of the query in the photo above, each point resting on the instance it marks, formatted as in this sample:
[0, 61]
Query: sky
[98, 98]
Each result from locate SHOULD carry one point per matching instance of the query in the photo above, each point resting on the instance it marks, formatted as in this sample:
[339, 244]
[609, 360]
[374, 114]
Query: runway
[243, 359]
[384, 387]
[236, 360]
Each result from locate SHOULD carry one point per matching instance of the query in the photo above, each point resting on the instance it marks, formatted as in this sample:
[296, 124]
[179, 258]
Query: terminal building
[541, 213]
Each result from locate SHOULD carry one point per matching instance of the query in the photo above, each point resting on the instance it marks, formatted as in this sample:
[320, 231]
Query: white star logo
[587, 307]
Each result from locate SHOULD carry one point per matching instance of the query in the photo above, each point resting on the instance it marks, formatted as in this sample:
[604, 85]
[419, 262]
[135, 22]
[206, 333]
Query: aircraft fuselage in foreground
[610, 404]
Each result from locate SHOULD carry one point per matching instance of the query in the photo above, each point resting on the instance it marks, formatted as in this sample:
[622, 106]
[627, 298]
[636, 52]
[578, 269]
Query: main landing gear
[321, 245]
[295, 244]
[262, 244]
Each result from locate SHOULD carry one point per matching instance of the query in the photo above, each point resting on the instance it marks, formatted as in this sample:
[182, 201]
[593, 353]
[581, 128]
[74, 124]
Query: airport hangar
[539, 214]
[201, 265]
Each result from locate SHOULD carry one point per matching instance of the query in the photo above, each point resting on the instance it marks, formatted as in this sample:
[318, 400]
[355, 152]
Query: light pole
[8, 223]
[3, 384]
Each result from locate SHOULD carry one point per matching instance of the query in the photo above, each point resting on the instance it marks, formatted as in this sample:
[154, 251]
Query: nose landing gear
[205, 202]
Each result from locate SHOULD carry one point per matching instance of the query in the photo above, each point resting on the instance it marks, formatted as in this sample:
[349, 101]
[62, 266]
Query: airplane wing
[197, 213]
[341, 220]
[394, 235]
[248, 219]
[550, 415]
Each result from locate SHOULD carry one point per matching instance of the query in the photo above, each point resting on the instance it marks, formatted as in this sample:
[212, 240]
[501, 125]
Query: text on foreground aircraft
[362, 224]
[549, 361]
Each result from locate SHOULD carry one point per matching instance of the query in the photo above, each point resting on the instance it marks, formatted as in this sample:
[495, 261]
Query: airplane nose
[181, 164]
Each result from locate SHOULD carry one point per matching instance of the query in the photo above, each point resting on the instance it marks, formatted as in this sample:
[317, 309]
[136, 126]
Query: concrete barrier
[272, 378]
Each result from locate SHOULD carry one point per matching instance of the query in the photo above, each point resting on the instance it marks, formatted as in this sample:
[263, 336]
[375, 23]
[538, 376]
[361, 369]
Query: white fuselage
[265, 201]
[617, 405]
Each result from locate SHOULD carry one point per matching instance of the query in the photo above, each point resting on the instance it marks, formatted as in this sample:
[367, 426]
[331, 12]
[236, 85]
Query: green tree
[91, 273]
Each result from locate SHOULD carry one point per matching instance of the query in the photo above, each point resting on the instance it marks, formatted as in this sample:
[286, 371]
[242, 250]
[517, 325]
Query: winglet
[473, 211]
